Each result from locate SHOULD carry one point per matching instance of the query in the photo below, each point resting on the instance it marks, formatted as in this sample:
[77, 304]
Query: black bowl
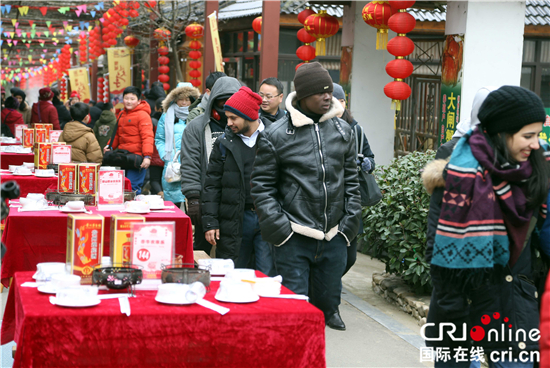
[184, 274]
[117, 277]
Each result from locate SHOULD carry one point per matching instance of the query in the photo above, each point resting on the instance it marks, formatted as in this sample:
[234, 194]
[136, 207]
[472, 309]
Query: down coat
[44, 112]
[11, 118]
[84, 146]
[135, 130]
[172, 191]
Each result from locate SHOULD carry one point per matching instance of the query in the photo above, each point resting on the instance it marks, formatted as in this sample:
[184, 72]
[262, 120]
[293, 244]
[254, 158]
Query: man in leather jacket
[306, 191]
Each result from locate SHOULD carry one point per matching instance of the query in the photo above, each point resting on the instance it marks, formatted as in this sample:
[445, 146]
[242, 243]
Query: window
[535, 71]
[526, 77]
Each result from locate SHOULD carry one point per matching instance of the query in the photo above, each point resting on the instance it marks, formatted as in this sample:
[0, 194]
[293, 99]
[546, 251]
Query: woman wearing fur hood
[170, 130]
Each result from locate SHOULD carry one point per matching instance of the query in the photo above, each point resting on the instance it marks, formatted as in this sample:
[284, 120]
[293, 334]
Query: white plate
[47, 289]
[90, 303]
[163, 207]
[252, 300]
[135, 211]
[21, 153]
[67, 209]
[161, 300]
[44, 176]
[29, 174]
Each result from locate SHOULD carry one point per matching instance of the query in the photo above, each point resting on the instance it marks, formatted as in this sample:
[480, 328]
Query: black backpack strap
[110, 145]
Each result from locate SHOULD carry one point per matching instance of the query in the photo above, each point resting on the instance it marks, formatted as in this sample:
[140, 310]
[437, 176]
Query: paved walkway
[378, 334]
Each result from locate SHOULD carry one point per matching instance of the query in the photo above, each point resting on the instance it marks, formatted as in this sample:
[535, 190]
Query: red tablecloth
[10, 144]
[267, 333]
[35, 237]
[34, 184]
[7, 159]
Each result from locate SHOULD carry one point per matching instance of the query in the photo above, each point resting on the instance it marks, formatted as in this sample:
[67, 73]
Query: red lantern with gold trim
[306, 52]
[257, 25]
[166, 86]
[397, 91]
[305, 37]
[194, 30]
[195, 54]
[195, 64]
[131, 42]
[401, 4]
[195, 45]
[299, 65]
[377, 14]
[162, 34]
[402, 22]
[164, 78]
[163, 60]
[321, 26]
[163, 50]
[195, 82]
[400, 46]
[163, 69]
[302, 16]
[399, 68]
[195, 73]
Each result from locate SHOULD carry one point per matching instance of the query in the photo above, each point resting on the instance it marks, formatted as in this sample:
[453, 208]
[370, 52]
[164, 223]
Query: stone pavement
[378, 334]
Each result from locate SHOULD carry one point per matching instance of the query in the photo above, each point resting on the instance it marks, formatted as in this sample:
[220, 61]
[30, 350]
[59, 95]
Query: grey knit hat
[338, 92]
[310, 79]
[509, 109]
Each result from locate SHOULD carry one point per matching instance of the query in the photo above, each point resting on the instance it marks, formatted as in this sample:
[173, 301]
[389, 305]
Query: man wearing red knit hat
[229, 218]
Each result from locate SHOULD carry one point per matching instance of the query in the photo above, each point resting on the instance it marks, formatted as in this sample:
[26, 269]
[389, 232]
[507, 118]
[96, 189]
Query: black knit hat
[509, 109]
[310, 79]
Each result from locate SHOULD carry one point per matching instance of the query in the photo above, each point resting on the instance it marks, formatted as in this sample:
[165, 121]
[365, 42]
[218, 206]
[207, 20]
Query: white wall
[493, 45]
[369, 105]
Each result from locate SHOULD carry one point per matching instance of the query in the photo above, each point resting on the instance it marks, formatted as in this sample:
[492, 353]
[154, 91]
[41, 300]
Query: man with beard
[196, 145]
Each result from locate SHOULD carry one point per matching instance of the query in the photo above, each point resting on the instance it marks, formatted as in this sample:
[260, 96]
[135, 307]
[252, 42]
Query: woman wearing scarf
[486, 252]
[170, 130]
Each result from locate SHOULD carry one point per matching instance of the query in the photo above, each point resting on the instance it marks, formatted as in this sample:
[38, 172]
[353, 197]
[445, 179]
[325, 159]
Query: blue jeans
[252, 243]
[313, 267]
[136, 177]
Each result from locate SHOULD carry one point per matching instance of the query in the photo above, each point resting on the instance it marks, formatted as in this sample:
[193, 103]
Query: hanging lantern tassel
[320, 47]
[381, 39]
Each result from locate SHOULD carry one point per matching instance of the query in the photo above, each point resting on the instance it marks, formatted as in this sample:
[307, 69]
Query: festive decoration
[106, 93]
[306, 53]
[195, 54]
[305, 37]
[195, 45]
[163, 50]
[257, 25]
[400, 46]
[321, 26]
[162, 34]
[131, 42]
[299, 65]
[377, 14]
[194, 31]
[302, 16]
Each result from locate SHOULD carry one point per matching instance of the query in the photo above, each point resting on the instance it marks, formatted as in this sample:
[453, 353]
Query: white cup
[22, 170]
[35, 196]
[62, 280]
[13, 167]
[75, 205]
[174, 293]
[45, 270]
[29, 165]
[196, 291]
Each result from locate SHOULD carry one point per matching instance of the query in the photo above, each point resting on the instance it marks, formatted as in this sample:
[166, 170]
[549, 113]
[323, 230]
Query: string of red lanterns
[306, 52]
[100, 85]
[106, 93]
[401, 46]
[63, 88]
[377, 14]
[82, 48]
[163, 35]
[195, 31]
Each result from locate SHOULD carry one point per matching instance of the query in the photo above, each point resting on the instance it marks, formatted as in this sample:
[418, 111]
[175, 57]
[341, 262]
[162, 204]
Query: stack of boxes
[78, 178]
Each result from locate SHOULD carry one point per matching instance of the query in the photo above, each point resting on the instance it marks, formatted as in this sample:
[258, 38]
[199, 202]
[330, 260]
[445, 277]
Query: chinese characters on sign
[451, 86]
[216, 42]
[119, 73]
[80, 82]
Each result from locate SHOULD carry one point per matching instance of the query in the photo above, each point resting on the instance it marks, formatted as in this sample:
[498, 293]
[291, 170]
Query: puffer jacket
[103, 128]
[224, 194]
[84, 146]
[197, 141]
[47, 115]
[135, 130]
[515, 295]
[11, 118]
[63, 114]
[305, 177]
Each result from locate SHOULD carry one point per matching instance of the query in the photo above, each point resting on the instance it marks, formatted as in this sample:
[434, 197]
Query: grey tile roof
[537, 12]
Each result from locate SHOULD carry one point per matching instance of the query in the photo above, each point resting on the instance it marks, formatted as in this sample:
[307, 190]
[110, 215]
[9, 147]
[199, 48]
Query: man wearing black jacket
[271, 92]
[306, 191]
[62, 113]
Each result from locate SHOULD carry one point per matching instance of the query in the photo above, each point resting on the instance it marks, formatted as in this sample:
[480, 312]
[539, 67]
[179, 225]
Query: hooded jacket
[197, 142]
[84, 146]
[135, 130]
[305, 177]
[172, 191]
[156, 92]
[24, 107]
[272, 118]
[103, 128]
[11, 118]
[44, 112]
[63, 114]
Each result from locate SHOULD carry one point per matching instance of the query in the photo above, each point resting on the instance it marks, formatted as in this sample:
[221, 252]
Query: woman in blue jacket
[169, 132]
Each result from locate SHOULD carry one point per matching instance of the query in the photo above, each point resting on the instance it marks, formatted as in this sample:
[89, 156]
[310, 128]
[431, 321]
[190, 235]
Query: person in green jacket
[105, 125]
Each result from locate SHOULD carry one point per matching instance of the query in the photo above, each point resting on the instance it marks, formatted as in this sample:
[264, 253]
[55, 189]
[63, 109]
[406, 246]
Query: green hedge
[395, 229]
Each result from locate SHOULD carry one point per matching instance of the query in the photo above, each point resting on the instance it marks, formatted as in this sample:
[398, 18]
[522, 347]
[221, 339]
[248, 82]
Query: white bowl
[29, 165]
[236, 291]
[241, 274]
[75, 205]
[13, 167]
[22, 170]
[35, 196]
[63, 280]
[45, 270]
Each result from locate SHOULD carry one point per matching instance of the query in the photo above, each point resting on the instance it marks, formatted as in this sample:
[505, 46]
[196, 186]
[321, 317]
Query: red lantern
[162, 34]
[194, 73]
[195, 45]
[133, 13]
[397, 91]
[306, 52]
[305, 37]
[163, 50]
[124, 21]
[402, 22]
[163, 60]
[195, 82]
[376, 14]
[299, 65]
[131, 41]
[399, 68]
[400, 46]
[321, 26]
[164, 78]
[401, 4]
[257, 25]
[195, 64]
[195, 54]
[151, 4]
[194, 30]
[166, 86]
[302, 16]
[163, 69]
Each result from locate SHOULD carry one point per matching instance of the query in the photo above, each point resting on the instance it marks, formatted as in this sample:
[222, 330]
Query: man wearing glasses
[271, 92]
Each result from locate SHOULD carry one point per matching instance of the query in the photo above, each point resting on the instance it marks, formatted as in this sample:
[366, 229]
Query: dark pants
[155, 178]
[352, 255]
[136, 177]
[313, 267]
[253, 246]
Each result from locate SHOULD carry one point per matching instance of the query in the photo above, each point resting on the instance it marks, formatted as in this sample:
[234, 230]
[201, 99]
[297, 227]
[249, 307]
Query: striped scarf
[484, 220]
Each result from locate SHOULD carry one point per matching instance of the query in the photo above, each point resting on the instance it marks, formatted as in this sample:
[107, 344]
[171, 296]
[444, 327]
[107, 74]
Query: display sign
[84, 244]
[61, 154]
[54, 135]
[80, 82]
[216, 42]
[110, 189]
[545, 134]
[119, 73]
[121, 237]
[153, 245]
[451, 86]
[19, 131]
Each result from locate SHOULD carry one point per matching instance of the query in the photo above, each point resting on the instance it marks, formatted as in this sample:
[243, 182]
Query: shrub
[395, 229]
